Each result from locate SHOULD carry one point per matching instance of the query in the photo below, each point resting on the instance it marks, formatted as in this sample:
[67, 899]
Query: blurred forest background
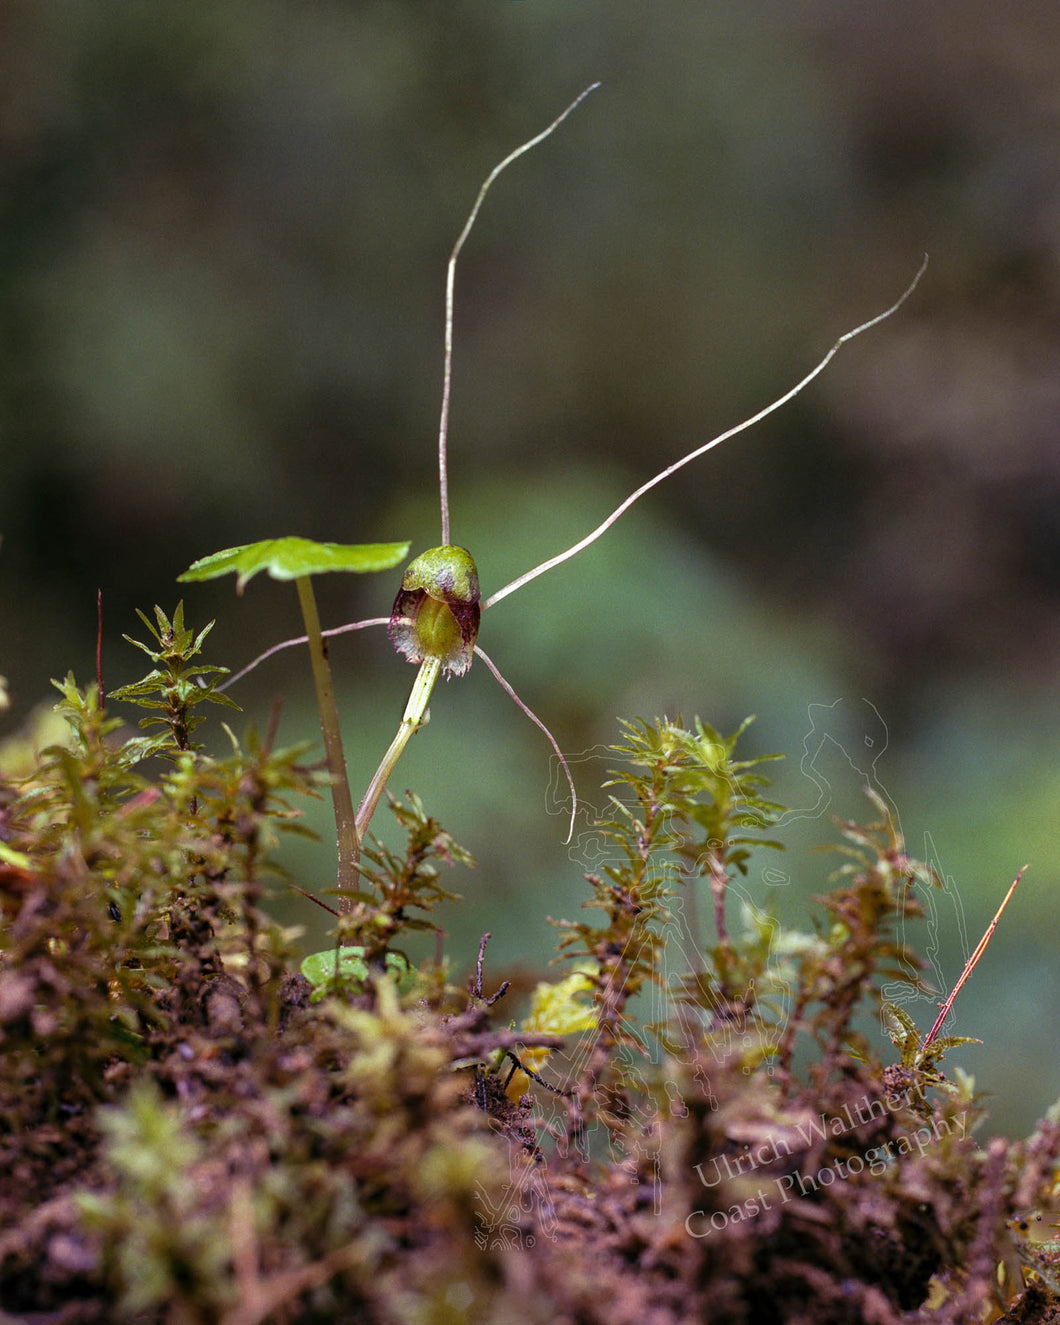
[223, 236]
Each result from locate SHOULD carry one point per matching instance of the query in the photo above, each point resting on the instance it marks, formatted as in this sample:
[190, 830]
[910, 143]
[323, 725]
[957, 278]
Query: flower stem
[349, 841]
[430, 669]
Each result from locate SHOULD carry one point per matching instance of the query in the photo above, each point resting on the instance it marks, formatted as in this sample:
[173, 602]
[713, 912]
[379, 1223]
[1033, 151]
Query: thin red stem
[971, 963]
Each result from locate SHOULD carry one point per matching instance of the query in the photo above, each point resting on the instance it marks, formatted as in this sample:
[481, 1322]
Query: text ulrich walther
[794, 1143]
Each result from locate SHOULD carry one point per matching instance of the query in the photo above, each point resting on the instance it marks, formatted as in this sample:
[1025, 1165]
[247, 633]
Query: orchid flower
[436, 615]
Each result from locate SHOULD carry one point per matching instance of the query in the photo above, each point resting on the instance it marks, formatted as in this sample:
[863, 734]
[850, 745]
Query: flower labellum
[436, 613]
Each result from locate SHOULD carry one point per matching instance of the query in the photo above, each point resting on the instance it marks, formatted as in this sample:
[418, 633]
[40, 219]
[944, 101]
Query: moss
[191, 1137]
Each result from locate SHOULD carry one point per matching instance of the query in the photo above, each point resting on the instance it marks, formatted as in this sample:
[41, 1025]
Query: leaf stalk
[349, 838]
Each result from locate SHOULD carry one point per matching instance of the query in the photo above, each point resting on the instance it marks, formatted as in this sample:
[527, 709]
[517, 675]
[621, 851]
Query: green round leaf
[319, 968]
[291, 558]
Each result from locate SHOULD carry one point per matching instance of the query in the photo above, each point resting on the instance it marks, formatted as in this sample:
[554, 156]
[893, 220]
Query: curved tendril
[504, 685]
[447, 374]
[356, 625]
[620, 510]
[302, 639]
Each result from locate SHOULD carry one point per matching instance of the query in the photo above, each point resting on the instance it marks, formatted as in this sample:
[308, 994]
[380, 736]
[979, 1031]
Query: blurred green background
[223, 236]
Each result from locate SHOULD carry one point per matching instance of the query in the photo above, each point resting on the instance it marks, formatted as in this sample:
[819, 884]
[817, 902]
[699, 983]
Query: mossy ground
[189, 1132]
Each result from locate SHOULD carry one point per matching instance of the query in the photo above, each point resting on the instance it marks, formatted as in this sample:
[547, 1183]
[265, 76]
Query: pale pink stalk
[620, 510]
[447, 373]
[509, 691]
[302, 639]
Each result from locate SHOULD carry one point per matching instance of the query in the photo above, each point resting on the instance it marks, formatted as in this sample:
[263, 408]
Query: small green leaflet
[321, 968]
